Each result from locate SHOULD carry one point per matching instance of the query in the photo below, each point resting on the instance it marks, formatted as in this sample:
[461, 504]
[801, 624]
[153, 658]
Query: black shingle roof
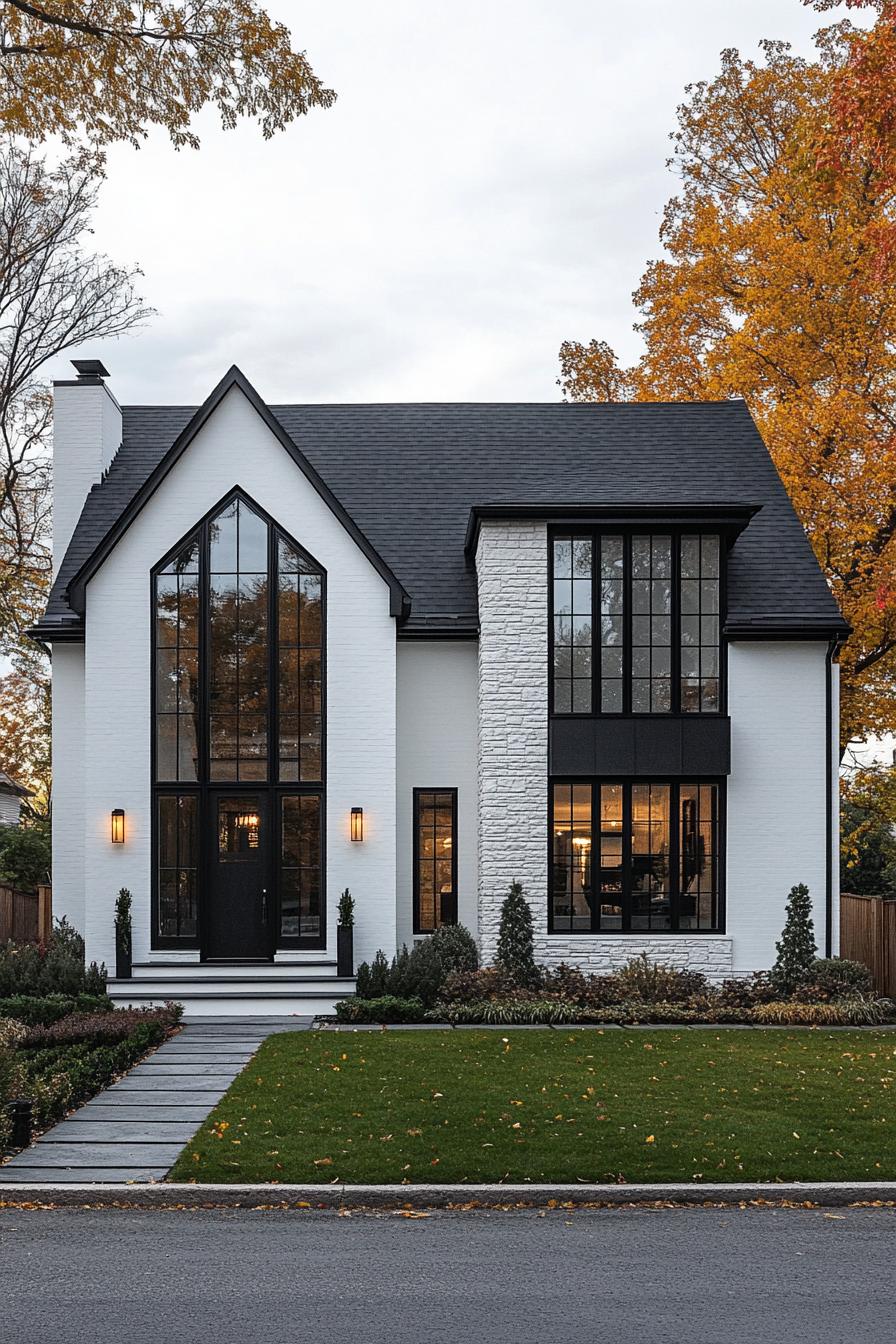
[409, 474]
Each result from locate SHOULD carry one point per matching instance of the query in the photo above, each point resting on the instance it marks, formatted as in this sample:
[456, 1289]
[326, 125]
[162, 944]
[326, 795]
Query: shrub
[836, 978]
[346, 910]
[516, 943]
[456, 949]
[421, 971]
[855, 1011]
[151, 1025]
[25, 855]
[42, 1012]
[123, 903]
[489, 983]
[745, 992]
[796, 947]
[522, 1011]
[653, 982]
[385, 1009]
[57, 968]
[372, 978]
[10, 1035]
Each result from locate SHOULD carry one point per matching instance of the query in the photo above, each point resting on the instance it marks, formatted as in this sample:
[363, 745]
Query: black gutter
[833, 645]
[727, 517]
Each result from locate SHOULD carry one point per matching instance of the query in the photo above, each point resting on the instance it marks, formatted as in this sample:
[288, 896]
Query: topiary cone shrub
[796, 947]
[515, 954]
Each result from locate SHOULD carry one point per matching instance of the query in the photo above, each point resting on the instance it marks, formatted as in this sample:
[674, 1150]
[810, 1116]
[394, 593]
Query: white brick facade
[711, 955]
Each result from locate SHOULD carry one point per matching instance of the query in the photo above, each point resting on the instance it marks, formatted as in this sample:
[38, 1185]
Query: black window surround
[277, 776]
[597, 889]
[434, 905]
[584, 700]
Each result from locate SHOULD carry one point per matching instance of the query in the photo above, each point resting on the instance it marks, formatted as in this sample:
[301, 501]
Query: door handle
[264, 905]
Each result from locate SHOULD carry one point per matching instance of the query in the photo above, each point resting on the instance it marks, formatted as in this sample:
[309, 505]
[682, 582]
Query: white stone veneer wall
[511, 564]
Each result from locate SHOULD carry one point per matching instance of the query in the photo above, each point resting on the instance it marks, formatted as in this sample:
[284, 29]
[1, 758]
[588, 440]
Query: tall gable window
[238, 711]
[635, 621]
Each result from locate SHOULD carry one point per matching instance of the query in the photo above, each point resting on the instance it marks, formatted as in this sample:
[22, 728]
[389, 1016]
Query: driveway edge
[403, 1198]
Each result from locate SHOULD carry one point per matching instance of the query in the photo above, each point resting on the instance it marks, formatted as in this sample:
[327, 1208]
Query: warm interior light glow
[118, 826]
[357, 823]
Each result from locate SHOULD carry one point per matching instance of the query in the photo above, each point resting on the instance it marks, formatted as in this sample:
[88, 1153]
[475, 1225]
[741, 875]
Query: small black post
[20, 1109]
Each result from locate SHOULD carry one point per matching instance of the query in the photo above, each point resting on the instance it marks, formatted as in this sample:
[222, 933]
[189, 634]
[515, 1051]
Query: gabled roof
[406, 477]
[233, 378]
[9, 785]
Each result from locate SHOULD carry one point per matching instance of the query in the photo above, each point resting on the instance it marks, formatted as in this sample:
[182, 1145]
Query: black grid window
[178, 863]
[635, 623]
[635, 856]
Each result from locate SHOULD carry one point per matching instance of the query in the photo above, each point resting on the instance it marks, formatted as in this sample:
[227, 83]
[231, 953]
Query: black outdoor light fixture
[118, 826]
[357, 823]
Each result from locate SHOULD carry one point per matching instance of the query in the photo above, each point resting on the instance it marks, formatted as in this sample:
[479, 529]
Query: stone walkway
[135, 1129]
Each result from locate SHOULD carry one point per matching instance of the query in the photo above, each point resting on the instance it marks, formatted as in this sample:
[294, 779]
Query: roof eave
[728, 517]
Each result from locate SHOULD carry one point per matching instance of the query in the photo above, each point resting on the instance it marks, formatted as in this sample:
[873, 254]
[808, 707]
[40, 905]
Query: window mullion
[674, 856]
[626, 858]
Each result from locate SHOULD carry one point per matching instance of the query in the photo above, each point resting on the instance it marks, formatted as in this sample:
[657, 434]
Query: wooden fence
[868, 934]
[25, 916]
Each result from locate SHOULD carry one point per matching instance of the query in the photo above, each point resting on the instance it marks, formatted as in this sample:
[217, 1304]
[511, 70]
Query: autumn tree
[55, 294]
[114, 68]
[772, 287]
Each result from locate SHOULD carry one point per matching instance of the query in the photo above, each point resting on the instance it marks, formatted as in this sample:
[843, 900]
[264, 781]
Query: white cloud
[489, 183]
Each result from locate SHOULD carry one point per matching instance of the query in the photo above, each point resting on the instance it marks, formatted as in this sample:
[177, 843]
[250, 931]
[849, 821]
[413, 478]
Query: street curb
[410, 1197]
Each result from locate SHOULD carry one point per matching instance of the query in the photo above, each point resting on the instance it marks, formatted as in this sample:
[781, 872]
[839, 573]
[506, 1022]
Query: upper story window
[635, 623]
[238, 656]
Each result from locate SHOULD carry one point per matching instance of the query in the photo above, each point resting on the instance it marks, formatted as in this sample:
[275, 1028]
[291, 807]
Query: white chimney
[86, 437]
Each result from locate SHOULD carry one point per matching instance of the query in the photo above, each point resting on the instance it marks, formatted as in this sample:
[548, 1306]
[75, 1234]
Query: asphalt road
[685, 1276]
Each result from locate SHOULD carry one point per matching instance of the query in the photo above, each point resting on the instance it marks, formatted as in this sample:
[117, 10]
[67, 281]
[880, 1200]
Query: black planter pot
[345, 950]
[122, 958]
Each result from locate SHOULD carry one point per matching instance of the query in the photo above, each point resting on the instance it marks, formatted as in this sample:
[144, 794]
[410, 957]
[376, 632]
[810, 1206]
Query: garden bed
[587, 1105]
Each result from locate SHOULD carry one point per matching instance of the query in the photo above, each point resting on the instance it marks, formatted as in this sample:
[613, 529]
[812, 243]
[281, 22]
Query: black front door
[238, 909]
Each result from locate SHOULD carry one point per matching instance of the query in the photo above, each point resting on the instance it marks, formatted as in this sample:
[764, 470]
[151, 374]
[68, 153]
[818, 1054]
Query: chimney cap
[90, 368]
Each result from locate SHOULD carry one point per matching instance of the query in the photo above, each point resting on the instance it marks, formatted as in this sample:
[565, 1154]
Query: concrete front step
[322, 969]
[205, 1001]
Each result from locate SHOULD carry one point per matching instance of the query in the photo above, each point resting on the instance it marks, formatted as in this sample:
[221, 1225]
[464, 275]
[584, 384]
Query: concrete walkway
[135, 1129]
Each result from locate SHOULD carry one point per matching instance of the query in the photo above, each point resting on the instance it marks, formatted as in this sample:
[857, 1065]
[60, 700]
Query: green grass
[565, 1105]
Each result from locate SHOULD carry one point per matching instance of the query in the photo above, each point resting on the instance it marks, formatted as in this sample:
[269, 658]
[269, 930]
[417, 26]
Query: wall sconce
[357, 823]
[118, 826]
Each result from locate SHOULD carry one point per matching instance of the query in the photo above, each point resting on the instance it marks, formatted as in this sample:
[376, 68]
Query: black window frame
[206, 788]
[418, 793]
[627, 531]
[675, 784]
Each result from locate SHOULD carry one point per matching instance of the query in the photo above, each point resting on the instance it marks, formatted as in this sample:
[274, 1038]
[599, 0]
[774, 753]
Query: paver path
[135, 1129]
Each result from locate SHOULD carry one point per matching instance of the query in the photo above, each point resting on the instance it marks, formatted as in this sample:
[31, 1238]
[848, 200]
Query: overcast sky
[489, 183]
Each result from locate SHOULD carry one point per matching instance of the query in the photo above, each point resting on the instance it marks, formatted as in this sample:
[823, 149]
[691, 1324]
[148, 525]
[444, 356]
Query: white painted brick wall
[86, 436]
[709, 954]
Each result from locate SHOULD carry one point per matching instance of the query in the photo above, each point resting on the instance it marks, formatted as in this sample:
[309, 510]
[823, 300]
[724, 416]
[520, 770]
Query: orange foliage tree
[111, 68]
[773, 287]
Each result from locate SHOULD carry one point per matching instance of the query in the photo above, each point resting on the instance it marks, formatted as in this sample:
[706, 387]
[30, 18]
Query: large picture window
[635, 856]
[238, 692]
[635, 623]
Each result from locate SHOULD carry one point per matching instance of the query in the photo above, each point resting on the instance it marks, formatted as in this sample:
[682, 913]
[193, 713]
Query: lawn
[576, 1105]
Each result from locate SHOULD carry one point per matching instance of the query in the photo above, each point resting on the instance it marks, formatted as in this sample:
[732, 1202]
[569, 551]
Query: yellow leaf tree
[773, 287]
[113, 68]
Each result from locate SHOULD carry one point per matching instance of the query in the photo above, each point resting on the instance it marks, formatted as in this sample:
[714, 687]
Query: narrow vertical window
[612, 630]
[177, 667]
[300, 654]
[572, 892]
[651, 624]
[611, 856]
[435, 858]
[573, 604]
[178, 848]
[651, 873]
[698, 856]
[700, 624]
[300, 866]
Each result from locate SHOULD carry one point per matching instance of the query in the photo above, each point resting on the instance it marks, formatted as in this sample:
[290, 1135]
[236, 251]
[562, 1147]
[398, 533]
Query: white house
[420, 651]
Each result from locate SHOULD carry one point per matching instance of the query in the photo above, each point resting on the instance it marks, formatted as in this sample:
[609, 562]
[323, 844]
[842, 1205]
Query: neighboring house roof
[9, 785]
[407, 476]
